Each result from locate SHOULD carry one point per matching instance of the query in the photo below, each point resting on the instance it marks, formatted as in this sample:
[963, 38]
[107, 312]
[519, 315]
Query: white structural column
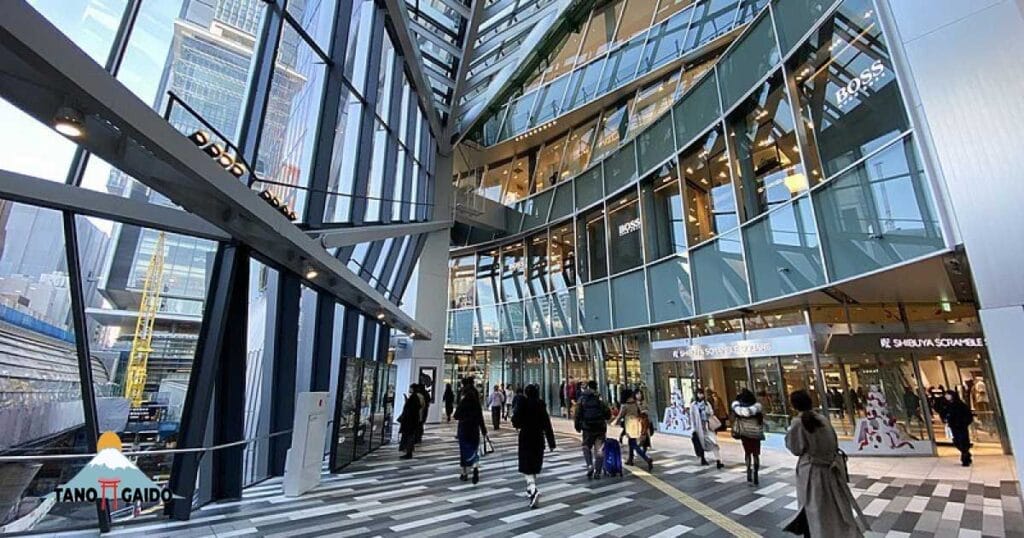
[431, 291]
[964, 62]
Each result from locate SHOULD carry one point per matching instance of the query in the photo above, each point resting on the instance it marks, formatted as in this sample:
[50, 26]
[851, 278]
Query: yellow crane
[142, 342]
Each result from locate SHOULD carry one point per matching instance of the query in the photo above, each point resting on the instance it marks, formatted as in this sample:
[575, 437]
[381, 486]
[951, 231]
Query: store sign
[901, 343]
[629, 227]
[678, 350]
[867, 78]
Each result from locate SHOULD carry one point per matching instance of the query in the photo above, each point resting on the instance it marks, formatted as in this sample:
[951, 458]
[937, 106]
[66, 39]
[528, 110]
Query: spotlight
[412, 334]
[380, 316]
[213, 150]
[225, 160]
[237, 169]
[69, 122]
[199, 138]
[311, 274]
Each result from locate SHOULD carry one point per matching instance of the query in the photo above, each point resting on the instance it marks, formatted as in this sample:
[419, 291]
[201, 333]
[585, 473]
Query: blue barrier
[25, 321]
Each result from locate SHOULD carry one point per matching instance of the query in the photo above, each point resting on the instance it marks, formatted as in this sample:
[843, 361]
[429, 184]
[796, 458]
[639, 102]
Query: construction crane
[142, 342]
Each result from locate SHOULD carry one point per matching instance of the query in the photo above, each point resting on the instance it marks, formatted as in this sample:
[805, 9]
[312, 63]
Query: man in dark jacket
[424, 398]
[591, 420]
[409, 423]
[958, 416]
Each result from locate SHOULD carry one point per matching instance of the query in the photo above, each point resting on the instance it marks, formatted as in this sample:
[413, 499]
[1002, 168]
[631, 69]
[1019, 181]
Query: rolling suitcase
[612, 457]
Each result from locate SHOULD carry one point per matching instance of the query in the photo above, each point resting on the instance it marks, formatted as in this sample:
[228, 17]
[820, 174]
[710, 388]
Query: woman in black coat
[471, 427]
[409, 423]
[534, 425]
[449, 400]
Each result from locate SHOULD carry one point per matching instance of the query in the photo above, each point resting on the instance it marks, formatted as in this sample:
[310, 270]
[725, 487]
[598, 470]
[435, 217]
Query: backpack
[593, 413]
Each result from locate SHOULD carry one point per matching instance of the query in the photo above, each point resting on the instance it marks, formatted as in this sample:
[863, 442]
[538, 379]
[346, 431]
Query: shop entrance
[969, 375]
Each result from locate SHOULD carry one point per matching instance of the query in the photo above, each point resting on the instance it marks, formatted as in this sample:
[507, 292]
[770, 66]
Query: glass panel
[513, 280]
[538, 317]
[343, 158]
[591, 244]
[625, 232]
[519, 115]
[512, 322]
[697, 111]
[348, 415]
[487, 271]
[563, 313]
[518, 186]
[289, 130]
[748, 61]
[536, 209]
[720, 281]
[548, 160]
[636, 16]
[600, 31]
[494, 179]
[782, 250]
[622, 64]
[795, 17]
[317, 19]
[577, 153]
[595, 314]
[549, 104]
[669, 285]
[620, 168]
[848, 94]
[768, 389]
[668, 8]
[562, 257]
[40, 389]
[667, 41]
[798, 373]
[655, 144]
[460, 292]
[763, 139]
[357, 53]
[584, 85]
[487, 326]
[537, 264]
[565, 58]
[711, 19]
[364, 428]
[628, 295]
[562, 204]
[613, 128]
[879, 213]
[460, 327]
[748, 10]
[589, 187]
[651, 103]
[665, 230]
[710, 198]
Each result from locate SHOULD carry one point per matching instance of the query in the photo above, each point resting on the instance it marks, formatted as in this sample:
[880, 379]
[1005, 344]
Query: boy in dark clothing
[591, 421]
[958, 416]
[409, 423]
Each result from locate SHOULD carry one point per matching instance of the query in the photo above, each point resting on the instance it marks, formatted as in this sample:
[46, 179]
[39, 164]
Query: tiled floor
[382, 495]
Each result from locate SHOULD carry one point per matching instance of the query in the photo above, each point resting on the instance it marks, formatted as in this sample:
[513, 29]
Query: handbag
[486, 446]
[798, 525]
[713, 423]
[745, 428]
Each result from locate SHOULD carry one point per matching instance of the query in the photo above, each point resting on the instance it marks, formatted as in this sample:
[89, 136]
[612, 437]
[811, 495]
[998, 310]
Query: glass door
[364, 425]
[348, 413]
[767, 378]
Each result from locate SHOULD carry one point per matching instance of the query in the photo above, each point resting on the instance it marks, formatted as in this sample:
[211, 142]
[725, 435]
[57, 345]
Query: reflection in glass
[710, 199]
[847, 89]
[718, 268]
[513, 281]
[767, 380]
[548, 160]
[782, 250]
[577, 152]
[487, 275]
[665, 231]
[461, 288]
[562, 257]
[666, 41]
[670, 295]
[711, 19]
[625, 232]
[612, 129]
[651, 102]
[591, 245]
[518, 181]
[767, 156]
[537, 264]
[601, 31]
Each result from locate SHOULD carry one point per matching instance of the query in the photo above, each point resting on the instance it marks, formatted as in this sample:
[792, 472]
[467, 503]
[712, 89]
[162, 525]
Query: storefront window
[798, 373]
[613, 368]
[460, 292]
[674, 392]
[767, 156]
[625, 232]
[591, 245]
[970, 376]
[518, 181]
[513, 283]
[612, 129]
[710, 199]
[577, 151]
[847, 88]
[767, 378]
[665, 230]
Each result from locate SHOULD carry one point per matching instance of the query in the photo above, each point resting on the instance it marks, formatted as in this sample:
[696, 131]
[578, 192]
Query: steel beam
[364, 234]
[41, 70]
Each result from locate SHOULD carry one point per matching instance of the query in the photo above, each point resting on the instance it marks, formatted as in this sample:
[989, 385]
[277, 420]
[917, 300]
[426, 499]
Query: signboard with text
[679, 350]
[904, 343]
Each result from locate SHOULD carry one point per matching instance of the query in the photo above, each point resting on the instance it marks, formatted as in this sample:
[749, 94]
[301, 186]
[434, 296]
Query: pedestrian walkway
[381, 495]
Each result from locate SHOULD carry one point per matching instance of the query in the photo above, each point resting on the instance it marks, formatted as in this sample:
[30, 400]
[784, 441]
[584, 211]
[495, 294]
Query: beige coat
[821, 482]
[630, 411]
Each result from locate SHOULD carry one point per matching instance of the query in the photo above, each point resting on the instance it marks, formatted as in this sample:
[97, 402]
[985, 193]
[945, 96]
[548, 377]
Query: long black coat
[471, 417]
[410, 417]
[534, 424]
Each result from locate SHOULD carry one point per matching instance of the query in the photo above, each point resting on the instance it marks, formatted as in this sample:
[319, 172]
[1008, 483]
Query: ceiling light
[795, 183]
[225, 160]
[213, 150]
[237, 169]
[311, 273]
[412, 334]
[199, 138]
[69, 122]
[380, 316]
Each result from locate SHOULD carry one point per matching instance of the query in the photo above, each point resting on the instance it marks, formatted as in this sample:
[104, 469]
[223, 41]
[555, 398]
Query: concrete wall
[964, 62]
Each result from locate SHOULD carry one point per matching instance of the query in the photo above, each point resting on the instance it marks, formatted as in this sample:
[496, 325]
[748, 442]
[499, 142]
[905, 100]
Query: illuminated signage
[629, 227]
[931, 343]
[867, 78]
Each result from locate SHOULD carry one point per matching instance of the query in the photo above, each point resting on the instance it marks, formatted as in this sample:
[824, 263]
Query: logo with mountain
[110, 477]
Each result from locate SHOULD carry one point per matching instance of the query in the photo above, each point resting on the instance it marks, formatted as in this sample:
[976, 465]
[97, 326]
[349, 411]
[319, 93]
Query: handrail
[90, 455]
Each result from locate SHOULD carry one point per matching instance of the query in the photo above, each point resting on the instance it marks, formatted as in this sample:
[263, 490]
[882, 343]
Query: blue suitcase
[612, 457]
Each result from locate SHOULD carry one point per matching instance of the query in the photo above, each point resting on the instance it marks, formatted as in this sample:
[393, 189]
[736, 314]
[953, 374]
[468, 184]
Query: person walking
[534, 425]
[449, 401]
[705, 423]
[424, 398]
[749, 429]
[496, 401]
[517, 400]
[561, 399]
[592, 415]
[958, 416]
[629, 414]
[470, 430]
[718, 407]
[409, 423]
[827, 506]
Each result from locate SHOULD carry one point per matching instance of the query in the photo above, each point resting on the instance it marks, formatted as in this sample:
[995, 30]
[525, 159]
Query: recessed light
[69, 122]
[311, 274]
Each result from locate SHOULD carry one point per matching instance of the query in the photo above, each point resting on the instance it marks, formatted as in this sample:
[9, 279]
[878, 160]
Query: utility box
[305, 458]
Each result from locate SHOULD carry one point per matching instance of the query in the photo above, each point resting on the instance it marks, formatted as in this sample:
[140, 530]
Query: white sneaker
[534, 497]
